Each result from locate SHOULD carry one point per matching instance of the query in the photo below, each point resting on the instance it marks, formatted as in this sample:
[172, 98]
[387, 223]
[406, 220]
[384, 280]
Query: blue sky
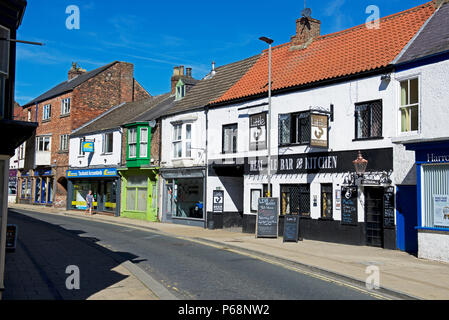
[157, 35]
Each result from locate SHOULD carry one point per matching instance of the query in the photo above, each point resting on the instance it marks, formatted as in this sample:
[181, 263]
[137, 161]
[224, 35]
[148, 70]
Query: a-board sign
[11, 237]
[349, 211]
[389, 208]
[218, 204]
[291, 228]
[267, 218]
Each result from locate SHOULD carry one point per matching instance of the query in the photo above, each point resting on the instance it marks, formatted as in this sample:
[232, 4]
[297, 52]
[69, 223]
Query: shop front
[25, 185]
[432, 162]
[104, 184]
[183, 196]
[139, 193]
[43, 187]
[335, 203]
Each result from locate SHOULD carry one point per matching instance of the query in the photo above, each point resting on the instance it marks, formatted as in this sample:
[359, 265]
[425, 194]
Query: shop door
[44, 191]
[169, 205]
[374, 216]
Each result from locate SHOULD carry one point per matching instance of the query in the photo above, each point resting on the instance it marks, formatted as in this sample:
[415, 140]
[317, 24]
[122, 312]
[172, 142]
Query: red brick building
[59, 111]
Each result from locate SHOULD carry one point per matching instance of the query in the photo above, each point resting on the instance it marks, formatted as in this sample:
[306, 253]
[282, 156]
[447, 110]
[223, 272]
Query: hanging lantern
[360, 164]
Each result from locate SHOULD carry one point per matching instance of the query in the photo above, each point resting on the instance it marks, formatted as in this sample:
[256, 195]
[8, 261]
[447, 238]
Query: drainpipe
[206, 110]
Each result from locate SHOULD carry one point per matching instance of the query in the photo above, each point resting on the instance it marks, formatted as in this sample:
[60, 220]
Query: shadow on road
[37, 269]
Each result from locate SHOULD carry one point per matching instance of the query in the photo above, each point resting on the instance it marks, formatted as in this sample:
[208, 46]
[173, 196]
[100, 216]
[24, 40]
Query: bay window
[43, 143]
[143, 142]
[132, 142]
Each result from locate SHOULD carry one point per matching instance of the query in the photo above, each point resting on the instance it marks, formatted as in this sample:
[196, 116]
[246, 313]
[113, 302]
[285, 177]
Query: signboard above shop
[92, 173]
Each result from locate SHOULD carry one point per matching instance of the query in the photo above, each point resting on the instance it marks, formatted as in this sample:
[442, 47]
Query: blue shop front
[104, 184]
[432, 195]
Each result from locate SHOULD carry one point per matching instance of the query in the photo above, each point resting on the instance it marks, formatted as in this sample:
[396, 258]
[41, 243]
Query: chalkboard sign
[349, 211]
[267, 218]
[218, 204]
[11, 237]
[389, 208]
[291, 228]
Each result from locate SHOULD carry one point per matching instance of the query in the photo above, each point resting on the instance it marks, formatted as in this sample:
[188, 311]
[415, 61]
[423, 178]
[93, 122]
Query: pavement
[401, 275]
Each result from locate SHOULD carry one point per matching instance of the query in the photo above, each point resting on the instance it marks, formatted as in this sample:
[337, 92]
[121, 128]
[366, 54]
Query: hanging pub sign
[319, 131]
[88, 146]
[349, 211]
[258, 131]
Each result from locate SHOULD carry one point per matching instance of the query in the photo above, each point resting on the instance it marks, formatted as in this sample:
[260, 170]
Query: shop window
[188, 196]
[266, 191]
[326, 202]
[230, 138]
[43, 143]
[136, 193]
[368, 120]
[65, 107]
[255, 195]
[132, 142]
[46, 113]
[108, 142]
[409, 109]
[143, 142]
[295, 200]
[294, 128]
[64, 143]
[435, 196]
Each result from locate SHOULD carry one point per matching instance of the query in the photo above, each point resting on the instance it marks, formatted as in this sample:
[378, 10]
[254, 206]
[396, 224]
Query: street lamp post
[269, 42]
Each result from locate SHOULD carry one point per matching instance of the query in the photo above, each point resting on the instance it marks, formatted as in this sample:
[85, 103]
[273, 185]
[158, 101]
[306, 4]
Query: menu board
[291, 228]
[349, 211]
[267, 218]
[389, 208]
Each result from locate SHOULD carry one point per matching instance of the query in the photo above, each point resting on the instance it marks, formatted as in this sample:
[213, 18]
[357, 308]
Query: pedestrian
[90, 202]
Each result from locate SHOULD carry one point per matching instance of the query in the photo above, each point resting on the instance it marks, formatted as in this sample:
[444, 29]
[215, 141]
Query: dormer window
[180, 90]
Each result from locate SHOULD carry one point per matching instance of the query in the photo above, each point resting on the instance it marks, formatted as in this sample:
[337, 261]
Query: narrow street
[189, 270]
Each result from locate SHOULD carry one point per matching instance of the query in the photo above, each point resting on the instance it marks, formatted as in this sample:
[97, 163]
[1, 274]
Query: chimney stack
[178, 73]
[189, 72]
[75, 71]
[307, 29]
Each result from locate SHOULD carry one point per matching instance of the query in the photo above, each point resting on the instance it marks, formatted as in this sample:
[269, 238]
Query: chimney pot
[189, 72]
[75, 71]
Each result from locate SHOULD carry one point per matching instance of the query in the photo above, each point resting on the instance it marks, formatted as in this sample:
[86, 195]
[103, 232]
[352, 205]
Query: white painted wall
[97, 158]
[343, 96]
[15, 162]
[433, 246]
[198, 158]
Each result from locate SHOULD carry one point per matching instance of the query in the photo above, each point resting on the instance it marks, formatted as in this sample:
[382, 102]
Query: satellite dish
[152, 123]
[307, 13]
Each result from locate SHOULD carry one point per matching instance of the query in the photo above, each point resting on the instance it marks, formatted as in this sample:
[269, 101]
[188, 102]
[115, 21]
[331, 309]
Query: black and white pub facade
[331, 160]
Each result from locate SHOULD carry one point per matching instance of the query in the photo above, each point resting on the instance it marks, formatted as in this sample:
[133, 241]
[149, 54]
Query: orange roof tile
[344, 53]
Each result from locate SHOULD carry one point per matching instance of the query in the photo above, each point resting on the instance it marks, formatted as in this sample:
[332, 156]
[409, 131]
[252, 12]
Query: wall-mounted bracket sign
[319, 135]
[88, 146]
[218, 204]
[267, 218]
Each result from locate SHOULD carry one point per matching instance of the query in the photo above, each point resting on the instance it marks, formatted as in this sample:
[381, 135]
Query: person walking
[90, 202]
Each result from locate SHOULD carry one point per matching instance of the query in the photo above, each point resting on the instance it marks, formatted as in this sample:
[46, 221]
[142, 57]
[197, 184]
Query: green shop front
[139, 178]
[104, 184]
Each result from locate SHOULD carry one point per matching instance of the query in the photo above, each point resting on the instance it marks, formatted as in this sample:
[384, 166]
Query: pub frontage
[344, 197]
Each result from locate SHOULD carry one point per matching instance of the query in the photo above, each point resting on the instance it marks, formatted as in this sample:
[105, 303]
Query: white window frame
[46, 112]
[106, 144]
[81, 152]
[43, 138]
[64, 142]
[143, 145]
[65, 106]
[177, 140]
[132, 142]
[408, 78]
[182, 140]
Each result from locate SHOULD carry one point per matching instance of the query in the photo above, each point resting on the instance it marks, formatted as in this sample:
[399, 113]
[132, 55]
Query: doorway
[374, 216]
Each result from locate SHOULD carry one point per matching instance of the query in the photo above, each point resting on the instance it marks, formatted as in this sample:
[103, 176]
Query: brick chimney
[75, 71]
[307, 29]
[189, 72]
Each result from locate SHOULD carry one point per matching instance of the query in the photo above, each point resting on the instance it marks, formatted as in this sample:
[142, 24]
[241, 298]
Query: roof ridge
[357, 27]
